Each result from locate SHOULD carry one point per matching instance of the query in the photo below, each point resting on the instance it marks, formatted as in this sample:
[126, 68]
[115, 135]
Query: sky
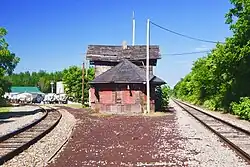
[53, 35]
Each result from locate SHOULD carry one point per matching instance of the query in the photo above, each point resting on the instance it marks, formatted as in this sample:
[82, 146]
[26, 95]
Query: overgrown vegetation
[162, 97]
[220, 81]
[242, 109]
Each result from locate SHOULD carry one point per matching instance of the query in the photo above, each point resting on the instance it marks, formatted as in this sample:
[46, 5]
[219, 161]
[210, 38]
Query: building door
[118, 100]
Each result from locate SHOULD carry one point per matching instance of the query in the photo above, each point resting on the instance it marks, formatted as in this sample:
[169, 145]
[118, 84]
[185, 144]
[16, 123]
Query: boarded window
[92, 95]
[128, 97]
[118, 97]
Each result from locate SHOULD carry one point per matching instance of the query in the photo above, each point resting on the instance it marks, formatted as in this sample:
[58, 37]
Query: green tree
[72, 79]
[8, 62]
[223, 76]
[41, 79]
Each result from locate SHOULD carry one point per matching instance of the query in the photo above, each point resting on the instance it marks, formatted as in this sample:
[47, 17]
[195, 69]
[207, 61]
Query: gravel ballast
[18, 117]
[40, 153]
[203, 148]
[233, 119]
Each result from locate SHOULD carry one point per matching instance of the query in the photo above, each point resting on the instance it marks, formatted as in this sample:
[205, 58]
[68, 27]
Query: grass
[4, 109]
[74, 105]
[67, 105]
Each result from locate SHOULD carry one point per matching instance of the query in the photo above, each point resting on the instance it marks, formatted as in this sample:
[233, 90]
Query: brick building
[120, 78]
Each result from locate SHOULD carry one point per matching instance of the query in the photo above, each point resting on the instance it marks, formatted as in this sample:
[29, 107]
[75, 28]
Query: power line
[186, 36]
[185, 53]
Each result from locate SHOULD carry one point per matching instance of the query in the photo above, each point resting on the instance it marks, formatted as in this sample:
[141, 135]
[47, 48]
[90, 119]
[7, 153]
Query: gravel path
[203, 148]
[172, 140]
[39, 154]
[123, 141]
[233, 119]
[18, 117]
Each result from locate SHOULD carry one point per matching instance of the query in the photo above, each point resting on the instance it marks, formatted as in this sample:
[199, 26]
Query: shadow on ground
[167, 110]
[5, 121]
[7, 115]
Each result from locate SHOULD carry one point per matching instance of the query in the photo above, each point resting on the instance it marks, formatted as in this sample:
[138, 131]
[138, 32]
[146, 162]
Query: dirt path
[122, 141]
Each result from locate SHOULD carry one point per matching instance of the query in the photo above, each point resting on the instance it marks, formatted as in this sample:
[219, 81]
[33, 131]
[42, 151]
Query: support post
[133, 35]
[147, 64]
[86, 64]
[83, 83]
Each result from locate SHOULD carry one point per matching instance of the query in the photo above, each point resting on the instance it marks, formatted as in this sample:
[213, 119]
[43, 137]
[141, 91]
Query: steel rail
[25, 127]
[38, 129]
[232, 145]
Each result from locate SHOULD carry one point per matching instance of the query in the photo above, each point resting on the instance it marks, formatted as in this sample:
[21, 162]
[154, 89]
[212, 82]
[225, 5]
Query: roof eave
[121, 82]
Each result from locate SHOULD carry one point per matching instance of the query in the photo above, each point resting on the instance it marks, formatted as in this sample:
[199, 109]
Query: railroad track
[235, 137]
[15, 142]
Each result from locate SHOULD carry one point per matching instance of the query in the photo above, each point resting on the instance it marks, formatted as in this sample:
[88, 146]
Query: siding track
[17, 141]
[235, 137]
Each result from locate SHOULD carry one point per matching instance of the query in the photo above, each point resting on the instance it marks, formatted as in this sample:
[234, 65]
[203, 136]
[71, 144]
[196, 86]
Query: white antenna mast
[133, 37]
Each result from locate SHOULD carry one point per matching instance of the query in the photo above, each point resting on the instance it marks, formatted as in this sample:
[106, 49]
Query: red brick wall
[106, 97]
[129, 100]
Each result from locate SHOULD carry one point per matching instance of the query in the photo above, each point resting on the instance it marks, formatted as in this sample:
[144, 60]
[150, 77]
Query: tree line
[71, 77]
[41, 79]
[220, 80]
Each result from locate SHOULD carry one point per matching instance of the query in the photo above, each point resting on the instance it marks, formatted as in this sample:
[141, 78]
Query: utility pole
[147, 64]
[83, 83]
[86, 64]
[133, 35]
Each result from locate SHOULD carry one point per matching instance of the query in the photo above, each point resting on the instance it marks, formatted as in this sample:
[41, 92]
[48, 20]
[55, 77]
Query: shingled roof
[114, 53]
[125, 72]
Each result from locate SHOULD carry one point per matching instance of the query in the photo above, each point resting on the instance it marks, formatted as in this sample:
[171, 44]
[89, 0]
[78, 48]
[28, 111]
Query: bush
[211, 104]
[242, 108]
[3, 102]
[162, 97]
[193, 100]
[214, 103]
[158, 100]
[165, 95]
